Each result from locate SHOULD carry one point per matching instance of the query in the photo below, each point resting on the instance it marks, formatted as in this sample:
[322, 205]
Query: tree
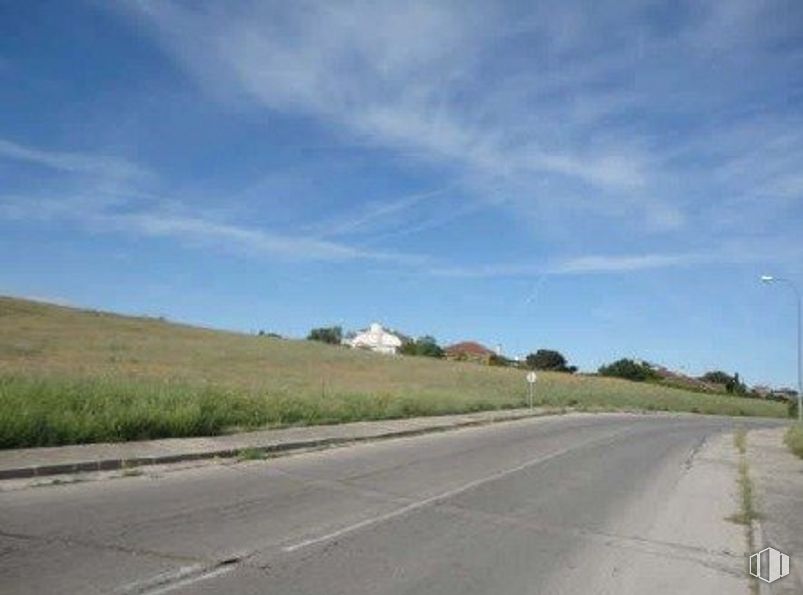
[425, 346]
[716, 377]
[263, 333]
[732, 384]
[500, 360]
[428, 347]
[548, 359]
[330, 334]
[629, 370]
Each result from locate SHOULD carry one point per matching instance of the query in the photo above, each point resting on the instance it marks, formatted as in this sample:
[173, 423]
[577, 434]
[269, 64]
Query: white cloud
[172, 219]
[58, 301]
[375, 216]
[240, 239]
[110, 199]
[561, 113]
[605, 263]
[411, 76]
[625, 263]
[98, 165]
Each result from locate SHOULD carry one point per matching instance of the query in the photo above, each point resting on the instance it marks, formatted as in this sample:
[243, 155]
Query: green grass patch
[71, 376]
[794, 439]
[50, 411]
[740, 441]
[747, 512]
[250, 454]
[747, 506]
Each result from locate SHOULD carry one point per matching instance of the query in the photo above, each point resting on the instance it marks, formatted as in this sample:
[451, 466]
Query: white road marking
[433, 499]
[190, 580]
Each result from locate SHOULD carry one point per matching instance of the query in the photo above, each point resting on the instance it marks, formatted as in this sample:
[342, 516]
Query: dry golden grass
[794, 439]
[64, 368]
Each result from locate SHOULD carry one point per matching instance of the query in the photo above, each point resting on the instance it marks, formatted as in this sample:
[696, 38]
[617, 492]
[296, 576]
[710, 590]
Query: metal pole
[799, 348]
[532, 386]
[799, 358]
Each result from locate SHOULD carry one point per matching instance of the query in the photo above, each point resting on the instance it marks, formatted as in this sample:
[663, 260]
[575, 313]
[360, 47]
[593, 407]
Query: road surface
[565, 504]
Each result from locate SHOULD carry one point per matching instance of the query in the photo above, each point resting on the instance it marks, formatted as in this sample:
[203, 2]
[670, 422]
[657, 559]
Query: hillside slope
[69, 375]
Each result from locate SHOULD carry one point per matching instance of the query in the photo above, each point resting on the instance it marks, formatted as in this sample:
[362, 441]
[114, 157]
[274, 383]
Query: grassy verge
[250, 454]
[748, 512]
[794, 439]
[52, 411]
[747, 508]
[72, 376]
[48, 410]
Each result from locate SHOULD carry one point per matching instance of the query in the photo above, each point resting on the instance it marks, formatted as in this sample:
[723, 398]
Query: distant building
[375, 338]
[788, 394]
[469, 351]
[681, 380]
[762, 390]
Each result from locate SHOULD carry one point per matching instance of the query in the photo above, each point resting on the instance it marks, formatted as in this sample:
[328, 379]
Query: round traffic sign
[531, 377]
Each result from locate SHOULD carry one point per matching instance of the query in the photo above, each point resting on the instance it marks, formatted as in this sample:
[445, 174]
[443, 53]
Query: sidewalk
[33, 462]
[778, 478]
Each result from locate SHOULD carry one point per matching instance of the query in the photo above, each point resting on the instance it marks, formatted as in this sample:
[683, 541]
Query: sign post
[531, 378]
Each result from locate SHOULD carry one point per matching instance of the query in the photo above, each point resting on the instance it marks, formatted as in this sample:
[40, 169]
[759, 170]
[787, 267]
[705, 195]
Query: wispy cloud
[97, 165]
[376, 216]
[625, 263]
[113, 201]
[395, 75]
[604, 263]
[584, 122]
[58, 301]
[174, 220]
[556, 114]
[241, 239]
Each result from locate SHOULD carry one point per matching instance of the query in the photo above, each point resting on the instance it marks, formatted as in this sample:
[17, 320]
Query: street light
[788, 283]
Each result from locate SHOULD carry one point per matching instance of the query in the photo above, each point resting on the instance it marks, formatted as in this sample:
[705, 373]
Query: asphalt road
[519, 507]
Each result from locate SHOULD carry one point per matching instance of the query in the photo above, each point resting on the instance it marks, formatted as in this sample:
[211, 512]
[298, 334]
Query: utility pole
[793, 287]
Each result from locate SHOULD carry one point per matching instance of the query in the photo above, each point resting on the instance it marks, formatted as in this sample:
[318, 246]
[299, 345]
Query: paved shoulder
[674, 537]
[778, 478]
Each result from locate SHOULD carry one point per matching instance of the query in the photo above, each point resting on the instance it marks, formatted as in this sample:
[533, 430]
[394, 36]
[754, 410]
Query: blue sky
[604, 178]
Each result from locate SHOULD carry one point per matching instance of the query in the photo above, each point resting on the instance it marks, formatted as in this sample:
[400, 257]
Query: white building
[376, 339]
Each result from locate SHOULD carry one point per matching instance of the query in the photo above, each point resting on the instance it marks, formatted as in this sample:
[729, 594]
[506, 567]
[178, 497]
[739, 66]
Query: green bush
[548, 359]
[732, 384]
[501, 361]
[425, 346]
[629, 370]
[332, 335]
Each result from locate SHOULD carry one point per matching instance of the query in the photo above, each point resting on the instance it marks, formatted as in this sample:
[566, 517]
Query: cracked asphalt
[611, 503]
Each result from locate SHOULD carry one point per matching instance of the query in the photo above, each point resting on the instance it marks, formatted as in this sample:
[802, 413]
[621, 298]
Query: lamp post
[788, 283]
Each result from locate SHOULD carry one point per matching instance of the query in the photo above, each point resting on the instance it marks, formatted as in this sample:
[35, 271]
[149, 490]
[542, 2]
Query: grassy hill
[71, 376]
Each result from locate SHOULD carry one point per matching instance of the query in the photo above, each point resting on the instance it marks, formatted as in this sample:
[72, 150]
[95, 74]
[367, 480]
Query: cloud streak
[603, 264]
[123, 207]
[394, 75]
[253, 242]
[82, 163]
[557, 109]
[593, 121]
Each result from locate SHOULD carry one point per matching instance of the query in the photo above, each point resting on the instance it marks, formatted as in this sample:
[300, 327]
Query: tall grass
[794, 439]
[72, 376]
[49, 411]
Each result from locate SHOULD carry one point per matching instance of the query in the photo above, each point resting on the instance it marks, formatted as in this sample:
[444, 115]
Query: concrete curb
[119, 463]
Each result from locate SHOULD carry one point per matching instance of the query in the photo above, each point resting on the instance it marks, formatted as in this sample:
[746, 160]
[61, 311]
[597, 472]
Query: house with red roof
[469, 351]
